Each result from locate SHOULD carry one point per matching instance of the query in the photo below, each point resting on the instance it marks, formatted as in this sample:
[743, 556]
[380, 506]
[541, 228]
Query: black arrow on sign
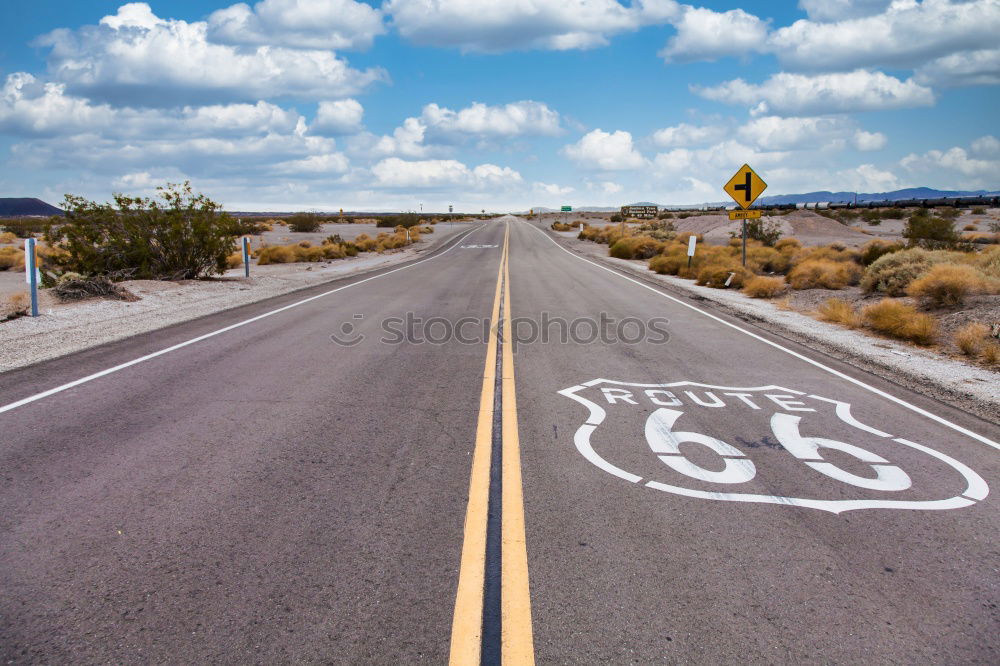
[745, 187]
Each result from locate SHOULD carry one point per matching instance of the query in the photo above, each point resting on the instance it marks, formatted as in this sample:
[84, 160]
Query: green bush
[177, 235]
[305, 222]
[892, 273]
[930, 233]
[767, 232]
[25, 227]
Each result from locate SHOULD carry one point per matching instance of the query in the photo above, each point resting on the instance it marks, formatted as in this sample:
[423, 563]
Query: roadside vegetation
[334, 247]
[910, 290]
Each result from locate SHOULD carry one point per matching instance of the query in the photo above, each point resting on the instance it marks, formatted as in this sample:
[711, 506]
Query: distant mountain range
[809, 197]
[23, 207]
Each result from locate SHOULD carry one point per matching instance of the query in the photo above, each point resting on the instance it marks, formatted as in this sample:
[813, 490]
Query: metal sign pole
[31, 265]
[744, 243]
[246, 257]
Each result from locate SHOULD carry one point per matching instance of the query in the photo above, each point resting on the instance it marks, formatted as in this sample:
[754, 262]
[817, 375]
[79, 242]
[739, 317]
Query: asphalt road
[701, 492]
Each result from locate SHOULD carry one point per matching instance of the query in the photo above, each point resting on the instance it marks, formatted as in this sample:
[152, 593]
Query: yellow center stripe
[467, 623]
[517, 646]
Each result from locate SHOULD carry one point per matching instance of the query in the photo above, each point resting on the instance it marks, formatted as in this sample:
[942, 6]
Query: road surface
[368, 472]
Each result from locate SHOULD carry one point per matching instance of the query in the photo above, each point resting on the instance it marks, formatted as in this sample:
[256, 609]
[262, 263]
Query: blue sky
[496, 104]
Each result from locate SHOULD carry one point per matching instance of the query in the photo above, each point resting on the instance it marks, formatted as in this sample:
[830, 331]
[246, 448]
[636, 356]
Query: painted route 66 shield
[765, 444]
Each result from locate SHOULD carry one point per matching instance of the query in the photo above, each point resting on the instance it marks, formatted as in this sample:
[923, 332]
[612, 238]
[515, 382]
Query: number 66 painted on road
[738, 468]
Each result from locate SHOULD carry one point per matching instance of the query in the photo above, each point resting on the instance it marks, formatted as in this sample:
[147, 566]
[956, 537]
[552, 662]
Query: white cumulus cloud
[906, 34]
[312, 24]
[869, 140]
[394, 172]
[682, 135]
[968, 68]
[135, 57]
[502, 25]
[957, 167]
[604, 151]
[843, 92]
[515, 119]
[703, 34]
[342, 116]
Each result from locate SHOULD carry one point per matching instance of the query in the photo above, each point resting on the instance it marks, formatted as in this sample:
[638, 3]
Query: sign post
[31, 272]
[744, 187]
[246, 256]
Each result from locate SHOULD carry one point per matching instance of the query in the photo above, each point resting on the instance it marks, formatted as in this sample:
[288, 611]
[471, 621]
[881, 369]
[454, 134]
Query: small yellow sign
[744, 214]
[745, 186]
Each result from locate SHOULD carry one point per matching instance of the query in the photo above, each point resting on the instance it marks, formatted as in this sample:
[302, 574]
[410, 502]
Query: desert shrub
[683, 237]
[764, 287]
[899, 320]
[788, 245]
[969, 227]
[304, 222]
[764, 230]
[876, 248]
[667, 264]
[835, 252]
[560, 226]
[873, 216]
[971, 338]
[931, 233]
[947, 284]
[978, 210]
[636, 247]
[665, 216]
[11, 257]
[26, 227]
[839, 311]
[716, 274]
[235, 260]
[892, 273]
[823, 274]
[14, 306]
[947, 212]
[894, 213]
[177, 235]
[607, 234]
[768, 259]
[987, 261]
[365, 243]
[275, 254]
[990, 353]
[616, 218]
[8, 237]
[75, 287]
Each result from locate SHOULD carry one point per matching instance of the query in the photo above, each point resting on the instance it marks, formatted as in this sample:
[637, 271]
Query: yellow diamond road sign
[745, 186]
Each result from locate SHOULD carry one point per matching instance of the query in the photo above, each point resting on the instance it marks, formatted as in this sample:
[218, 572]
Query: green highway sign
[567, 209]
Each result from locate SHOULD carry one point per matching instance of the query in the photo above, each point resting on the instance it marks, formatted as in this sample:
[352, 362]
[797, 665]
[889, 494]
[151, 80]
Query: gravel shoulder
[64, 328]
[969, 387]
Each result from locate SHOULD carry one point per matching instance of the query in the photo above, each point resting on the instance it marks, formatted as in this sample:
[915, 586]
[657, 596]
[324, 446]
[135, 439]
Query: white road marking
[665, 444]
[147, 357]
[837, 373]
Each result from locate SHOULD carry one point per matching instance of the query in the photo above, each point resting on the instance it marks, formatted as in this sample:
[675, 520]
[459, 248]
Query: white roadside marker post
[246, 256]
[692, 241]
[31, 272]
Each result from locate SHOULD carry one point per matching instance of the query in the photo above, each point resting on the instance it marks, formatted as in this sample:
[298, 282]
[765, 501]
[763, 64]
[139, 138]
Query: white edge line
[147, 357]
[837, 373]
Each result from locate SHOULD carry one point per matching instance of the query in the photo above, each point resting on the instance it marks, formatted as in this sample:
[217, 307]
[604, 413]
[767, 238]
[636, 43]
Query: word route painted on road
[764, 444]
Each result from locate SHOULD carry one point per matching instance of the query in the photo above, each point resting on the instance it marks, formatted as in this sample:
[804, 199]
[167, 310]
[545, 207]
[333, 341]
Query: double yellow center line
[515, 603]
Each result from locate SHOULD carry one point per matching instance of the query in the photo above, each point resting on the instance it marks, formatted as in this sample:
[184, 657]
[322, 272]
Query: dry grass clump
[76, 287]
[877, 248]
[16, 305]
[606, 235]
[947, 284]
[562, 226]
[788, 245]
[764, 287]
[333, 248]
[824, 274]
[969, 227]
[971, 338]
[718, 273]
[899, 320]
[8, 237]
[235, 260]
[990, 353]
[892, 274]
[839, 311]
[636, 247]
[11, 257]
